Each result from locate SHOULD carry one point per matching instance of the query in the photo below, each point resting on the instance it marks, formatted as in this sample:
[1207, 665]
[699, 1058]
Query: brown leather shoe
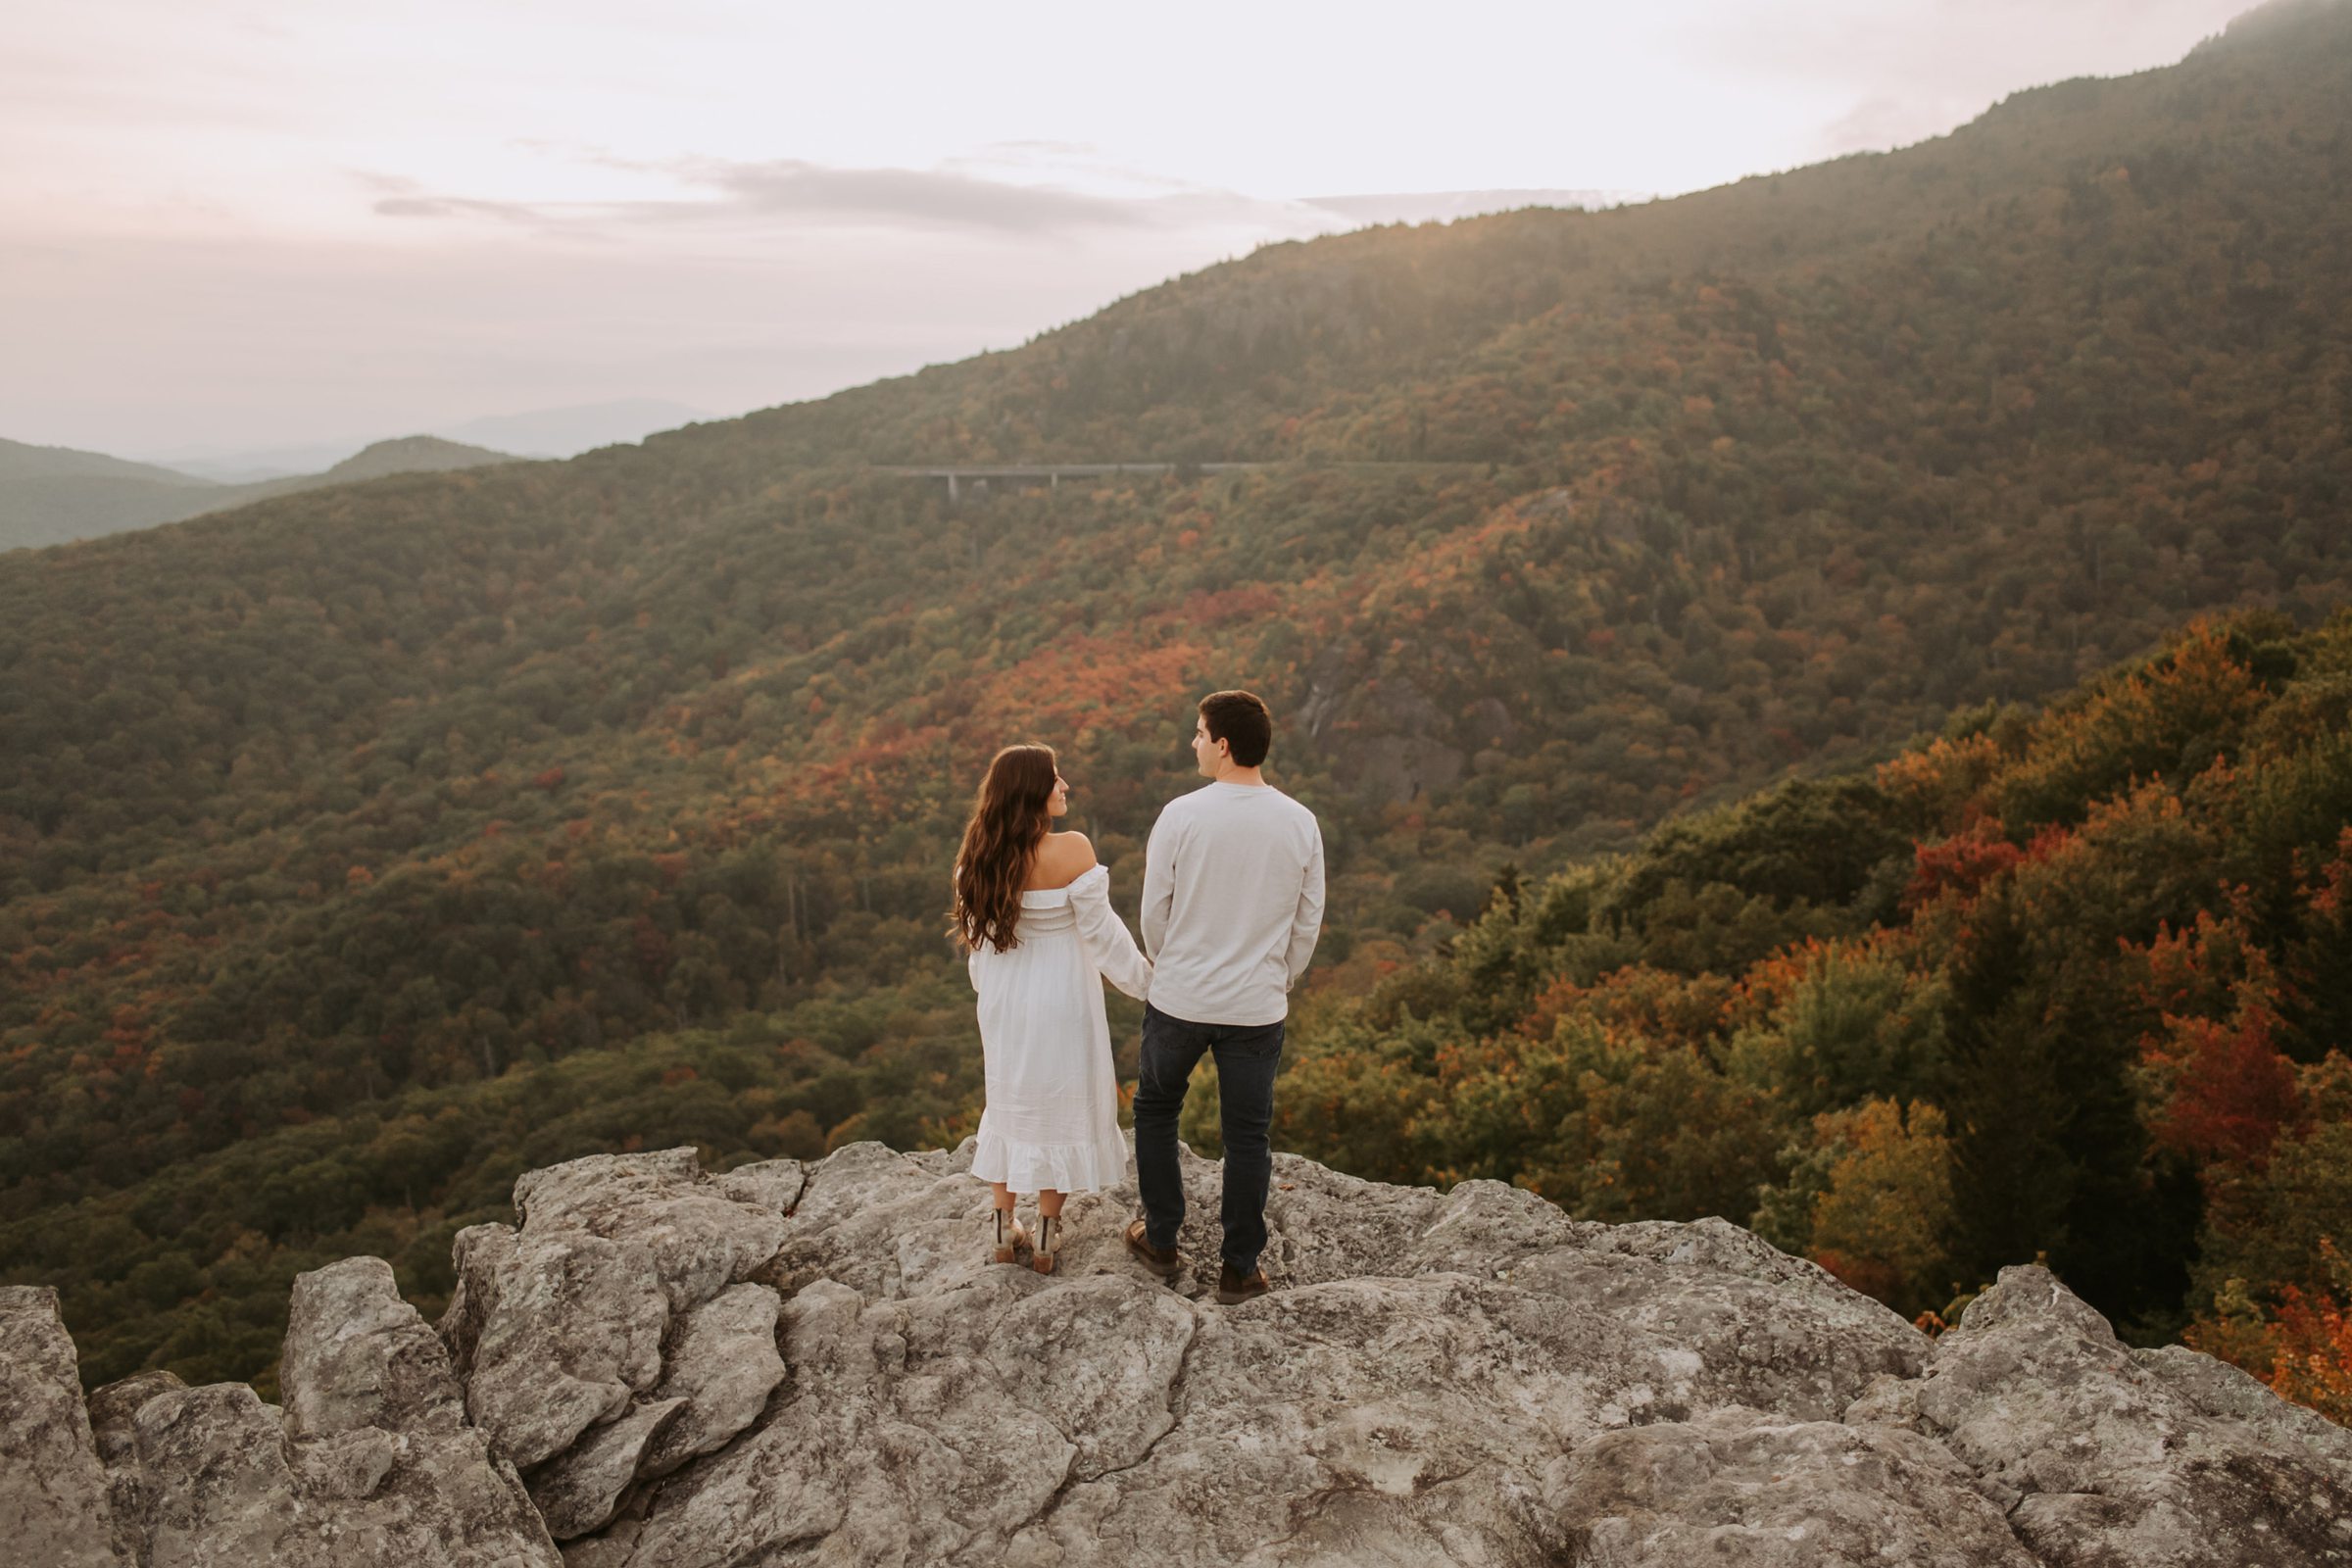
[1160, 1260]
[1235, 1289]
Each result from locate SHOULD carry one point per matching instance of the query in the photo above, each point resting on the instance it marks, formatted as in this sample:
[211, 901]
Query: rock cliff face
[661, 1368]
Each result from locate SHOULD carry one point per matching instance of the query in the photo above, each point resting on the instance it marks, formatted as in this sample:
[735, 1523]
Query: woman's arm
[1159, 878]
[1106, 937]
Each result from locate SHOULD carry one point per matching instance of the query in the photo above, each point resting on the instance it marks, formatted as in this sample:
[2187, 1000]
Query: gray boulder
[576, 1332]
[220, 1489]
[113, 1407]
[772, 1186]
[701, 1238]
[369, 1466]
[1741, 1486]
[2109, 1458]
[113, 1412]
[723, 1364]
[358, 1356]
[557, 1328]
[54, 1506]
[577, 1491]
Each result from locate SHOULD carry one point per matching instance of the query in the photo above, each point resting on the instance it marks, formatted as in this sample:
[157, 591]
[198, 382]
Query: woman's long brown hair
[1009, 820]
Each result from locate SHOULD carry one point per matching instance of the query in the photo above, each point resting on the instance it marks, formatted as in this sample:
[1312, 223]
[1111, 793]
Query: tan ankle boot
[1048, 1243]
[1011, 1237]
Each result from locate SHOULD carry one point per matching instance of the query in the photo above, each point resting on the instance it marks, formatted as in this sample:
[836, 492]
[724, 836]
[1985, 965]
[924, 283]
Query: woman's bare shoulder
[1065, 856]
[1075, 848]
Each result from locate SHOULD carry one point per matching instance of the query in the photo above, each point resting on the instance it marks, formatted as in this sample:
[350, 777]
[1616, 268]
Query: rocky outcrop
[370, 1465]
[2109, 1458]
[357, 1357]
[1741, 1485]
[613, 1336]
[781, 1365]
[53, 1491]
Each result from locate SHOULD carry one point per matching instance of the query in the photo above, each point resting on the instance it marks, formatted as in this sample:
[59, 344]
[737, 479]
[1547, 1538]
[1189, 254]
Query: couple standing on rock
[1233, 900]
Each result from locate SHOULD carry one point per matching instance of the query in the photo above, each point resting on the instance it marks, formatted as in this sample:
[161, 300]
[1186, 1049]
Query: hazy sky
[243, 224]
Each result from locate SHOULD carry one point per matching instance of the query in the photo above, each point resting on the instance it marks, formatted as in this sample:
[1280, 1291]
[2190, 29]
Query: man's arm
[1160, 882]
[1307, 923]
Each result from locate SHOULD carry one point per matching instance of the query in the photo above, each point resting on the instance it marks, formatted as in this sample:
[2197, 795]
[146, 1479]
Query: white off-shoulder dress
[1052, 1120]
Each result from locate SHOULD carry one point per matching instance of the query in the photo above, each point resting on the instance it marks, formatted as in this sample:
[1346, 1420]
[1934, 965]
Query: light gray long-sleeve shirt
[1233, 900]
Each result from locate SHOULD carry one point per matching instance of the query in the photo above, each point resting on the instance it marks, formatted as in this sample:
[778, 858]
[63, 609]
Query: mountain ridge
[561, 431]
[58, 495]
[1755, 210]
[22, 461]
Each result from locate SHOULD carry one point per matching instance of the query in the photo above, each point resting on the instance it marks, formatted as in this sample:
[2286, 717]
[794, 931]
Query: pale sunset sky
[233, 225]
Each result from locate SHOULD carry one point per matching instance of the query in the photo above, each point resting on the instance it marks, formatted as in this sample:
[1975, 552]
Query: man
[1233, 900]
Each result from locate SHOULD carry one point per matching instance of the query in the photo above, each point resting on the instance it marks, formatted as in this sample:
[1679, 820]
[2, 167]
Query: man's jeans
[1246, 1055]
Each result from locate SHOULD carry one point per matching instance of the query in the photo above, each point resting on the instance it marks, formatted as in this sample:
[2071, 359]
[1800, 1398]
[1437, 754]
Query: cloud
[487, 305]
[789, 188]
[792, 190]
[453, 207]
[1078, 165]
[403, 197]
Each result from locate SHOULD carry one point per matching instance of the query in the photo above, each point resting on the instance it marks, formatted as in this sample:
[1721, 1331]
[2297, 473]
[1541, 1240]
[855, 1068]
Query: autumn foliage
[2093, 1026]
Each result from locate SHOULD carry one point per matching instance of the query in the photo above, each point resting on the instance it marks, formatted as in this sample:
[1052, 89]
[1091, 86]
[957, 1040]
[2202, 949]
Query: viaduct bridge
[983, 475]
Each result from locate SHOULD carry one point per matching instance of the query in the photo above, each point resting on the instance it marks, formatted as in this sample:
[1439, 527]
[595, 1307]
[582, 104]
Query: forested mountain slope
[320, 817]
[2074, 983]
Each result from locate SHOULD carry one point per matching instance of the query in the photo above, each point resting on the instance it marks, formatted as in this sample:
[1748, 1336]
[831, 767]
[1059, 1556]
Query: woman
[1033, 907]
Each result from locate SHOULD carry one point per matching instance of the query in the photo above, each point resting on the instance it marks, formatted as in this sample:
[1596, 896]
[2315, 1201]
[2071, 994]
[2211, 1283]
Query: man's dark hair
[1241, 720]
